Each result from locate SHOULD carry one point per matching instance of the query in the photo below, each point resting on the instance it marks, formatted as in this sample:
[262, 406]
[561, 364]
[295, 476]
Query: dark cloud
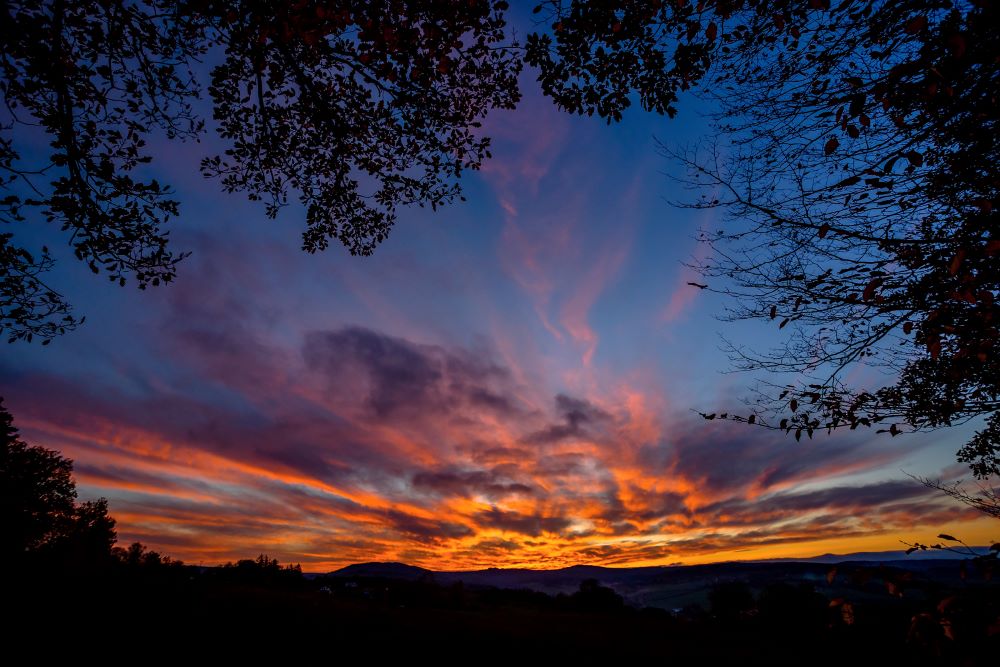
[494, 454]
[790, 533]
[726, 458]
[491, 546]
[98, 474]
[578, 418]
[426, 530]
[468, 483]
[625, 528]
[649, 505]
[531, 525]
[838, 501]
[402, 378]
[399, 373]
[306, 458]
[624, 552]
[560, 465]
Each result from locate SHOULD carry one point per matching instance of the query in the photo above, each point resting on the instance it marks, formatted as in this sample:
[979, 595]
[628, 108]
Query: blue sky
[512, 380]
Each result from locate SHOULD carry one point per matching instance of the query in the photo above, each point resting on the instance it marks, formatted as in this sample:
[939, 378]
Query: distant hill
[673, 586]
[394, 570]
[390, 570]
[878, 557]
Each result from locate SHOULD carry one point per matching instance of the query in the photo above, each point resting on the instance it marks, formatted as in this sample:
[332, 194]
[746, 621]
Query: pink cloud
[574, 314]
[389, 448]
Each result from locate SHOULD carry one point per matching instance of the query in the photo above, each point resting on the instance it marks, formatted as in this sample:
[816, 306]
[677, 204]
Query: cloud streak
[504, 384]
[386, 447]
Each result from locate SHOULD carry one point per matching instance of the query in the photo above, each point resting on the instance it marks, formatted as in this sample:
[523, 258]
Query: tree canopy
[41, 518]
[38, 491]
[353, 108]
[861, 178]
[855, 157]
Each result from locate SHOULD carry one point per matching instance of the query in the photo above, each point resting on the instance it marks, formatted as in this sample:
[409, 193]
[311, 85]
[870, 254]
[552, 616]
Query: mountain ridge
[387, 568]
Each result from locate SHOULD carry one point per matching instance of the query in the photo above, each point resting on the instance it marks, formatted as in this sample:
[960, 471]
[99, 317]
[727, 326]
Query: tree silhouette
[862, 182]
[593, 597]
[37, 489]
[41, 519]
[857, 165]
[262, 571]
[597, 57]
[88, 538]
[97, 79]
[354, 108]
[986, 499]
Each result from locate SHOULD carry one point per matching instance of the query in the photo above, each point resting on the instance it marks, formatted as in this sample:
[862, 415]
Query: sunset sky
[511, 381]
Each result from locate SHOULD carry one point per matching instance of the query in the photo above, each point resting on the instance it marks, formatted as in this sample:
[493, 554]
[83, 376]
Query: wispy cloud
[376, 446]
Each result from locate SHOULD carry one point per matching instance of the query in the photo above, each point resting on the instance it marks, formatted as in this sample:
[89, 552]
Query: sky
[513, 381]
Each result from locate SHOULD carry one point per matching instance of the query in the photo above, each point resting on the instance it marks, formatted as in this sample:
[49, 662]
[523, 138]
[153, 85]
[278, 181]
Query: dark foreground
[249, 612]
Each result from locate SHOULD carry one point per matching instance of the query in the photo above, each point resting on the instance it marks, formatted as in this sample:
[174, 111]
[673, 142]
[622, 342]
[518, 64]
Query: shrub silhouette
[593, 597]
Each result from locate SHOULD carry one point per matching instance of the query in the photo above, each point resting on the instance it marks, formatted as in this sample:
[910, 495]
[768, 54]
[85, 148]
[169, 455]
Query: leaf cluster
[353, 108]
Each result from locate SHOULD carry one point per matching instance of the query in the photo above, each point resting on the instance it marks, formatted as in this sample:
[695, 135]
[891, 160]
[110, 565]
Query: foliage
[262, 571]
[38, 494]
[985, 500]
[41, 518]
[984, 562]
[318, 98]
[857, 165]
[139, 557]
[862, 174]
[598, 54]
[357, 108]
[792, 606]
[95, 79]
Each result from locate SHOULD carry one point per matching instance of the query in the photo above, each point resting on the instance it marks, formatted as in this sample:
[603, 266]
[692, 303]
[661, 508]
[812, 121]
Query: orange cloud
[370, 446]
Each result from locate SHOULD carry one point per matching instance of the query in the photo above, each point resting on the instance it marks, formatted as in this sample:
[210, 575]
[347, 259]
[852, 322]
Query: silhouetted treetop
[96, 79]
[358, 108]
[37, 494]
[40, 517]
[352, 108]
[595, 57]
[856, 159]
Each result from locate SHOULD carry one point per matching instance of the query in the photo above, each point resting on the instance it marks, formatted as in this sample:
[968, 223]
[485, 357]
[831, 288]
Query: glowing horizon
[510, 382]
